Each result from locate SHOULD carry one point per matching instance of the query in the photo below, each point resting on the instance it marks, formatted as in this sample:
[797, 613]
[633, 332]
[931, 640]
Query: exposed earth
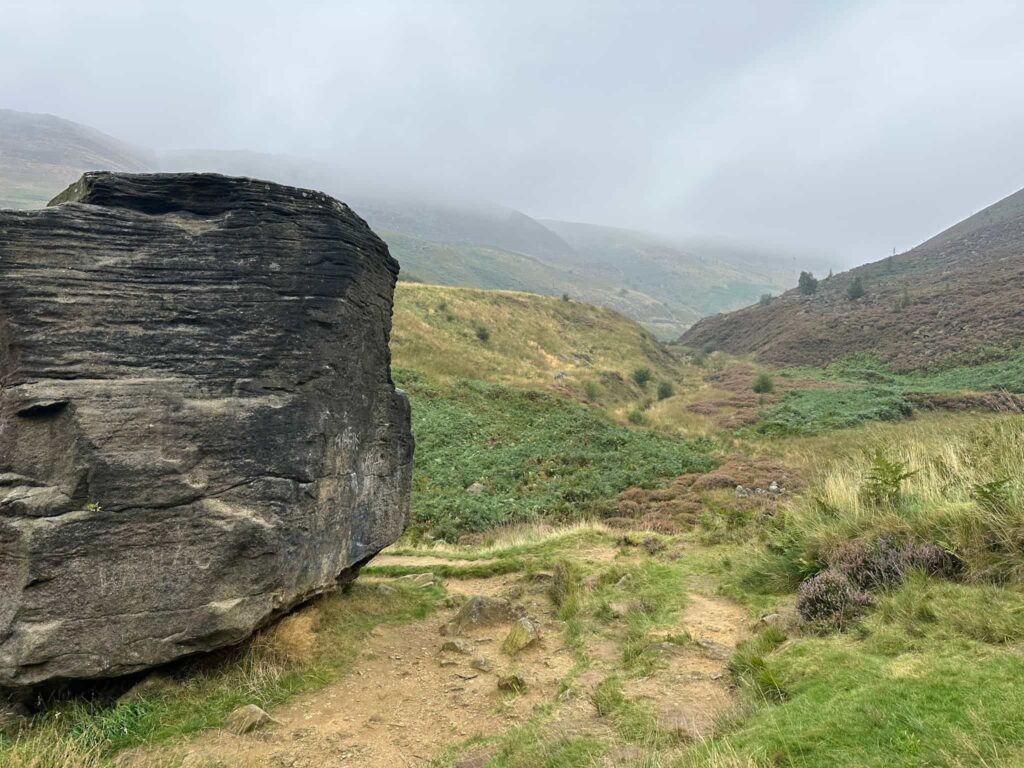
[416, 691]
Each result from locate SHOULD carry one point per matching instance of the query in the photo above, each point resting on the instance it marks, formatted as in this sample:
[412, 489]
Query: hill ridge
[954, 298]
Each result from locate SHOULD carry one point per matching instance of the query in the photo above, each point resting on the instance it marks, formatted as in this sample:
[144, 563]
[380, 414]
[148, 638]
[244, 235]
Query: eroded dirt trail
[407, 699]
[693, 690]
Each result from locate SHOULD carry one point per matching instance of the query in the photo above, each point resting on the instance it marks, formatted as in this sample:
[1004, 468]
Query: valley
[511, 385]
[668, 551]
[664, 283]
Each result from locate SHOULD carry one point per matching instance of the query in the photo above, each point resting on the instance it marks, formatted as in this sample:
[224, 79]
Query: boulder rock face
[198, 427]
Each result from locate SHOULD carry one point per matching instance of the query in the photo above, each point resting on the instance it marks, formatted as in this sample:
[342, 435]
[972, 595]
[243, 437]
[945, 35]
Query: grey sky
[850, 127]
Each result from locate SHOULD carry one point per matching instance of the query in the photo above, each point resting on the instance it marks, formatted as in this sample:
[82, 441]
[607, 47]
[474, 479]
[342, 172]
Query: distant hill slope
[41, 154]
[688, 279]
[531, 341]
[664, 285]
[956, 297]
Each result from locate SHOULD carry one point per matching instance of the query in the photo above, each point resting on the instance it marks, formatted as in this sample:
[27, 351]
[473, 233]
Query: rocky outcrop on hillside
[198, 427]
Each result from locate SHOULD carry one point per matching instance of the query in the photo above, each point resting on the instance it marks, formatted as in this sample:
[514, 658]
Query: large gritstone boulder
[198, 427]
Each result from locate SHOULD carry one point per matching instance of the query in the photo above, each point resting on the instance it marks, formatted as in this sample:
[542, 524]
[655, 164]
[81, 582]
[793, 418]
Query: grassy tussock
[964, 493]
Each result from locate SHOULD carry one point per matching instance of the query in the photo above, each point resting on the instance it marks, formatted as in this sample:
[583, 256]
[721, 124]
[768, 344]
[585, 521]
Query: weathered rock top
[198, 427]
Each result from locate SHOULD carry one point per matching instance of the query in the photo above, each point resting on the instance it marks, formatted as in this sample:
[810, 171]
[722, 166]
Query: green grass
[1004, 373]
[870, 391]
[944, 502]
[815, 411]
[538, 457]
[928, 680]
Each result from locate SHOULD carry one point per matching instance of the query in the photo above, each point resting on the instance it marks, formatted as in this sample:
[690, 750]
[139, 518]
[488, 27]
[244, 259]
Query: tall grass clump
[951, 504]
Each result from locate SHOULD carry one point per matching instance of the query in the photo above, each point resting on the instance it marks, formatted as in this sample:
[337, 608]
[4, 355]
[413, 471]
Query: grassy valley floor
[856, 602]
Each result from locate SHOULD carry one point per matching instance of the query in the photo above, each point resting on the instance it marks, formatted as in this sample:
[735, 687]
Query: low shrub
[642, 376]
[887, 561]
[830, 598]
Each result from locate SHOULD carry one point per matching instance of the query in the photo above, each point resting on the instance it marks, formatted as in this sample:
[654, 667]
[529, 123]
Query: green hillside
[41, 154]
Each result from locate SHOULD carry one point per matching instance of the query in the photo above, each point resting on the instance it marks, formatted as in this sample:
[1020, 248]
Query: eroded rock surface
[198, 427]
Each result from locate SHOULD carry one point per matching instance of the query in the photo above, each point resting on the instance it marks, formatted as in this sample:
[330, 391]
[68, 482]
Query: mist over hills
[957, 297]
[42, 154]
[664, 284]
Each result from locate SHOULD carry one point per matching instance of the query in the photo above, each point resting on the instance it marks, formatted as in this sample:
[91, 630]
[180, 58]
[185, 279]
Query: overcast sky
[849, 127]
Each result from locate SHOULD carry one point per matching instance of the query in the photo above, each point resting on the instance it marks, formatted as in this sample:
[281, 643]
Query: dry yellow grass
[534, 341]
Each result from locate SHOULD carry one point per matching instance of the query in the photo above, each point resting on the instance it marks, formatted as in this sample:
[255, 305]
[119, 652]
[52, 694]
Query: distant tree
[565, 297]
[855, 289]
[665, 390]
[765, 300]
[483, 333]
[904, 300]
[642, 376]
[829, 275]
[807, 283]
[764, 384]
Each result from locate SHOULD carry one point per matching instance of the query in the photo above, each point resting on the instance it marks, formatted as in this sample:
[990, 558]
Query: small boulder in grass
[247, 719]
[523, 634]
[480, 612]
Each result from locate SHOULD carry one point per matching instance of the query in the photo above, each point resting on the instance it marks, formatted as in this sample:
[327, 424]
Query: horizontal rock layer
[198, 427]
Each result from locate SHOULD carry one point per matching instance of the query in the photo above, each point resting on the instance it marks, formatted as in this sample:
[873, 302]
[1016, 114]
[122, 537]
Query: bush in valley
[483, 333]
[764, 384]
[642, 376]
[887, 560]
[855, 289]
[807, 284]
[943, 521]
[765, 300]
[665, 390]
[934, 560]
[637, 416]
[830, 598]
[591, 391]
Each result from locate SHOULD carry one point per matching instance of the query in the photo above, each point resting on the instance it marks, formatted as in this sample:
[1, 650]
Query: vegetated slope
[496, 379]
[40, 155]
[530, 341]
[957, 297]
